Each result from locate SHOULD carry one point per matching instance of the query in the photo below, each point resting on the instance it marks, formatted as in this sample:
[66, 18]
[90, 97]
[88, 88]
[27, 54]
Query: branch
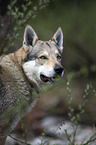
[35, 11]
[5, 36]
[92, 138]
[68, 136]
[18, 140]
[74, 133]
[39, 6]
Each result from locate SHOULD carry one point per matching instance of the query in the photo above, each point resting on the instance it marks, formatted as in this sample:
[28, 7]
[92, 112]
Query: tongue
[47, 79]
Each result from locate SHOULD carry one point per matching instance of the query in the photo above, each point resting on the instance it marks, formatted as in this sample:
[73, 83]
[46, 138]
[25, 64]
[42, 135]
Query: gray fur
[22, 74]
[15, 95]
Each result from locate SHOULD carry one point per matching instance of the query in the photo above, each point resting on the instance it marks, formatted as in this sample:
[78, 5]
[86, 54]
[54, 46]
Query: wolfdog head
[43, 58]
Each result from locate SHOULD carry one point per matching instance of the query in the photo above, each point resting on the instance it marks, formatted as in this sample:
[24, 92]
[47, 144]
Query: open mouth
[47, 79]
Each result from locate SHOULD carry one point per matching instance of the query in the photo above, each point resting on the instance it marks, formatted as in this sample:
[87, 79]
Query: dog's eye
[59, 57]
[43, 57]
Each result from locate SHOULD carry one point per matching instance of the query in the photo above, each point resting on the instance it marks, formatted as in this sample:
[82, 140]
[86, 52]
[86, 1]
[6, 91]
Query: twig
[91, 139]
[68, 136]
[18, 140]
[74, 133]
[35, 11]
[94, 91]
[32, 15]
[22, 126]
[54, 133]
[5, 36]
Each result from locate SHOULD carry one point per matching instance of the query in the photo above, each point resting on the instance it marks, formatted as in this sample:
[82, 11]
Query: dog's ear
[58, 38]
[30, 38]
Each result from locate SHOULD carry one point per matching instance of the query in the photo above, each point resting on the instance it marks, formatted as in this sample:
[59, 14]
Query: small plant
[43, 139]
[75, 117]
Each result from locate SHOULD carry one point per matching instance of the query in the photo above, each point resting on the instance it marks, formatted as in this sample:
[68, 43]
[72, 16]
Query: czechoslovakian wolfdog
[22, 75]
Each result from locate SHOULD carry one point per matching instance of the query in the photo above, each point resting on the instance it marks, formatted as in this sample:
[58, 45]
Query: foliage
[18, 14]
[74, 118]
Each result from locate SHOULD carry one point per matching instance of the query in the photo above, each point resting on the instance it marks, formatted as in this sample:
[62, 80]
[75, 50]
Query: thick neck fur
[18, 57]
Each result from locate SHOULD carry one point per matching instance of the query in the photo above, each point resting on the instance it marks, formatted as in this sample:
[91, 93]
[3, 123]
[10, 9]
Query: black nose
[58, 69]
